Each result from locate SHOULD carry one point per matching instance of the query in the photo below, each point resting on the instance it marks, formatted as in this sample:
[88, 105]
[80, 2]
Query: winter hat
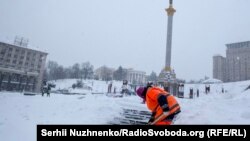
[141, 92]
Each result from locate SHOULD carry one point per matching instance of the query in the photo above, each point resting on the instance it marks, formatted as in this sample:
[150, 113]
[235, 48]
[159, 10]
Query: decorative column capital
[170, 11]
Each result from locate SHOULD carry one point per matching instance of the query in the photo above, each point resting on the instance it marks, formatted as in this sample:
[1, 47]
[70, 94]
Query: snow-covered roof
[29, 46]
[212, 81]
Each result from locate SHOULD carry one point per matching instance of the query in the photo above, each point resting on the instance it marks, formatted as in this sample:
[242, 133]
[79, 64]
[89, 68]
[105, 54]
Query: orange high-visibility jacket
[152, 101]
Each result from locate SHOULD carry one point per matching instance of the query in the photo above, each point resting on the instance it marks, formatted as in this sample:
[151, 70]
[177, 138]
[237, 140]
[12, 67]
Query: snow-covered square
[20, 113]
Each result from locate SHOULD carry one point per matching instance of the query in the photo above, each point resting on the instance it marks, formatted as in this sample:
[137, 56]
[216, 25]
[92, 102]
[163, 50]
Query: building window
[41, 58]
[20, 63]
[2, 52]
[14, 62]
[22, 57]
[9, 55]
[15, 56]
[17, 50]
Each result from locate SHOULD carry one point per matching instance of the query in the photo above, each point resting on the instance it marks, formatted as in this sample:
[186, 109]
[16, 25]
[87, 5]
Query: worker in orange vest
[164, 107]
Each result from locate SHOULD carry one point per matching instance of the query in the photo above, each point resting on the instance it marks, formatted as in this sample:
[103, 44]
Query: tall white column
[170, 11]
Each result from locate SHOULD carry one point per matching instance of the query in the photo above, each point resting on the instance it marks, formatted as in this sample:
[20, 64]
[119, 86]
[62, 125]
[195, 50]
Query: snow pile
[96, 85]
[212, 81]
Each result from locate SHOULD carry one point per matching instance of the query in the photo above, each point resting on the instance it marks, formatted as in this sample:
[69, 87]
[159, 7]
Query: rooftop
[238, 45]
[28, 46]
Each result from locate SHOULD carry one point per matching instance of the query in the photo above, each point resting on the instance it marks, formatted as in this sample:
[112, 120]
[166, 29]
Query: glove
[165, 108]
[151, 119]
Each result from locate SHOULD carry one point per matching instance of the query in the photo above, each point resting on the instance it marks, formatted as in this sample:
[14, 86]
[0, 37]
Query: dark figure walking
[191, 94]
[114, 90]
[109, 88]
[48, 90]
[206, 89]
[198, 93]
[44, 88]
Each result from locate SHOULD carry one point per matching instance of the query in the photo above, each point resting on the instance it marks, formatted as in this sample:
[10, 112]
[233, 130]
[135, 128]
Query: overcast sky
[130, 33]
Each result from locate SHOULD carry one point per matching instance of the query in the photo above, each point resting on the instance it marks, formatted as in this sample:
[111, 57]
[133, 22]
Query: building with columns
[136, 77]
[21, 68]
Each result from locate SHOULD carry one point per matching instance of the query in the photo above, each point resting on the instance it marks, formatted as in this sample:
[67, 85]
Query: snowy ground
[19, 114]
[216, 108]
[232, 107]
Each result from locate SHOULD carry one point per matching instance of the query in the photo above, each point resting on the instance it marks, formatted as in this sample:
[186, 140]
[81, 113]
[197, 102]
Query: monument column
[170, 11]
[167, 77]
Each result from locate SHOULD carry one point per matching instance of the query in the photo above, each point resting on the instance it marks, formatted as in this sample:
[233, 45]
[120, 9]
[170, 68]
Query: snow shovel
[159, 118]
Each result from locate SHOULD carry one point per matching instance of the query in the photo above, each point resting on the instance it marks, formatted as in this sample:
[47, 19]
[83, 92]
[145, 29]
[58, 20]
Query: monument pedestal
[167, 80]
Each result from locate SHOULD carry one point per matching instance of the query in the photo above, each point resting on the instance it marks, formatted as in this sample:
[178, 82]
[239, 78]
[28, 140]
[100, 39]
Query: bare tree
[55, 71]
[87, 70]
[52, 70]
[68, 72]
[76, 72]
[152, 77]
[60, 74]
[106, 73]
[120, 74]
